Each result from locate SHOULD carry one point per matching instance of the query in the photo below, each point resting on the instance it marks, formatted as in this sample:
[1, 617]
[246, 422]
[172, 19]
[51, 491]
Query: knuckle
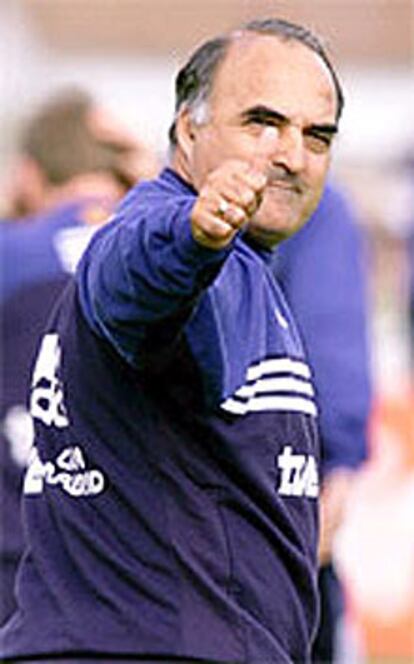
[236, 215]
[248, 197]
[258, 179]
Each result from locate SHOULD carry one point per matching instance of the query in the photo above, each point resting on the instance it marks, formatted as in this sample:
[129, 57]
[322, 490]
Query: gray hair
[194, 81]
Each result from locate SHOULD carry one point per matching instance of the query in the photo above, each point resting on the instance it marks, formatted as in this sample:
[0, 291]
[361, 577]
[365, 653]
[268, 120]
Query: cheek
[201, 165]
[207, 156]
[315, 185]
[318, 166]
[315, 177]
[218, 145]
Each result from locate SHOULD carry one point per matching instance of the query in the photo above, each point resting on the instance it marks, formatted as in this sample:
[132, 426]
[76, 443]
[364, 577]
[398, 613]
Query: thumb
[266, 146]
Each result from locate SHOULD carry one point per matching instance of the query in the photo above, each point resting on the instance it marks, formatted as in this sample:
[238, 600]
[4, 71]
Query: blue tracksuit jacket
[171, 501]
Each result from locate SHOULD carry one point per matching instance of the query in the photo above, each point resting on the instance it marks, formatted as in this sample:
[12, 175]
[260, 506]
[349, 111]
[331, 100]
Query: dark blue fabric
[33, 270]
[194, 543]
[323, 273]
[324, 649]
[27, 247]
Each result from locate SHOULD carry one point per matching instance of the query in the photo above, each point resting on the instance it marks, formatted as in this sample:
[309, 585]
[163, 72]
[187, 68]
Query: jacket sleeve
[143, 273]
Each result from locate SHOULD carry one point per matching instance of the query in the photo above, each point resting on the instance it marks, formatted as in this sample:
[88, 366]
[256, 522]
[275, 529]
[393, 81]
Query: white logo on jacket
[298, 474]
[46, 403]
[275, 383]
[68, 471]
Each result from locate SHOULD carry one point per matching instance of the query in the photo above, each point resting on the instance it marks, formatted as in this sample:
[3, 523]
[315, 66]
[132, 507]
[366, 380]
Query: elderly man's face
[267, 82]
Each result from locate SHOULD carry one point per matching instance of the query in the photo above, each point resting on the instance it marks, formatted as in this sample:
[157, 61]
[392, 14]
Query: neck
[179, 164]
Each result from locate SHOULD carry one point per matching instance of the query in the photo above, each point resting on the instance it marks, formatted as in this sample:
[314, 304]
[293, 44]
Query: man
[171, 503]
[75, 162]
[323, 273]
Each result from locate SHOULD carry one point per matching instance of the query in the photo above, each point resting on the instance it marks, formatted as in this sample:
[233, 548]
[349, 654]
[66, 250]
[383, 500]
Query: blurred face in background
[74, 147]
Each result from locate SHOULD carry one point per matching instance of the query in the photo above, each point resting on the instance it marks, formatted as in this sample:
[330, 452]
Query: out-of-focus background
[126, 52]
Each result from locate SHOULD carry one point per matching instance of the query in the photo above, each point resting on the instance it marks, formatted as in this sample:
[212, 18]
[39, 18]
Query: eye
[262, 119]
[317, 141]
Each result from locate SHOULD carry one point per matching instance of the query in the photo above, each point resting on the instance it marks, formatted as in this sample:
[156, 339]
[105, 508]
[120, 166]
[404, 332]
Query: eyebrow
[264, 113]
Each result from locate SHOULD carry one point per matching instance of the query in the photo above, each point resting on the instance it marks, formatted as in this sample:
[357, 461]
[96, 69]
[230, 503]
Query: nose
[290, 149]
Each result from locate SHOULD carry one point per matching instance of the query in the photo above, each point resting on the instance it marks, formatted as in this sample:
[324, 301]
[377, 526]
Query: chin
[268, 237]
[280, 228]
[284, 212]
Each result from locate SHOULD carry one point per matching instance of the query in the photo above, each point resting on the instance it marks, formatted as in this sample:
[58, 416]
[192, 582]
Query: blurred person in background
[410, 251]
[71, 149]
[407, 169]
[75, 162]
[323, 273]
[171, 502]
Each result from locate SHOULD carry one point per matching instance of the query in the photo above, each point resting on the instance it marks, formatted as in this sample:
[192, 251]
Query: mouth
[284, 186]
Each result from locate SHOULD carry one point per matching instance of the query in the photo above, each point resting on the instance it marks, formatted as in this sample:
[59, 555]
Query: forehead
[284, 75]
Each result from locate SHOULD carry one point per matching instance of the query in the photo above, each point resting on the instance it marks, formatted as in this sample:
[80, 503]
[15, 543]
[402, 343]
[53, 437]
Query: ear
[185, 133]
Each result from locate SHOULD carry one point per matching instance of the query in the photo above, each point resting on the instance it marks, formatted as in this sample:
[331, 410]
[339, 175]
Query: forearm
[167, 244]
[142, 270]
